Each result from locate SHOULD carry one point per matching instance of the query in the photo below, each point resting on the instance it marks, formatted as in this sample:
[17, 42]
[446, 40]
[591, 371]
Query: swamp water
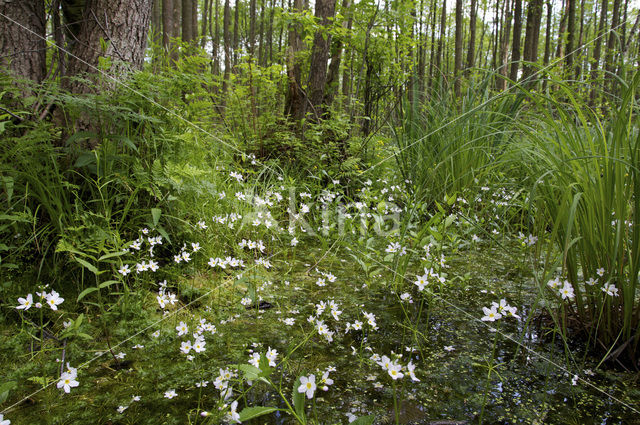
[452, 349]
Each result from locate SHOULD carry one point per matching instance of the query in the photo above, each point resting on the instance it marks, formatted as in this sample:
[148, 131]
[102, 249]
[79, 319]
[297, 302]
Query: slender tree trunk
[236, 32]
[22, 51]
[515, 49]
[562, 29]
[296, 97]
[226, 36]
[251, 43]
[205, 23]
[597, 51]
[457, 68]
[270, 31]
[571, 37]
[612, 44]
[156, 22]
[325, 10]
[471, 50]
[194, 20]
[504, 46]
[443, 24]
[547, 40]
[433, 42]
[532, 37]
[333, 74]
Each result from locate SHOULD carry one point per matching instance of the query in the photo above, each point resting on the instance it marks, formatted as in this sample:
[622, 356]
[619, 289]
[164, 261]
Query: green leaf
[107, 283]
[253, 412]
[364, 420]
[251, 373]
[298, 399]
[5, 388]
[87, 265]
[155, 214]
[86, 292]
[111, 255]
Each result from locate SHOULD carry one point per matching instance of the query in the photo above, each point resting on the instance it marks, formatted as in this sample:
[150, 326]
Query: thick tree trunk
[187, 21]
[458, 49]
[504, 46]
[122, 24]
[532, 36]
[547, 40]
[612, 43]
[22, 51]
[226, 36]
[515, 48]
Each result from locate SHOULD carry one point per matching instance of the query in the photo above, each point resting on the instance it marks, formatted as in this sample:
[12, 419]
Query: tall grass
[446, 146]
[587, 193]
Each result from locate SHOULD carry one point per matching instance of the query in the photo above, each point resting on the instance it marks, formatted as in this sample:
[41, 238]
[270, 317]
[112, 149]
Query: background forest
[264, 211]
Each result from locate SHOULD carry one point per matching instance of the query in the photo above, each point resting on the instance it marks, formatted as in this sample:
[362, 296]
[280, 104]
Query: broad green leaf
[364, 420]
[253, 412]
[5, 388]
[87, 266]
[86, 292]
[251, 372]
[111, 255]
[298, 399]
[155, 214]
[107, 283]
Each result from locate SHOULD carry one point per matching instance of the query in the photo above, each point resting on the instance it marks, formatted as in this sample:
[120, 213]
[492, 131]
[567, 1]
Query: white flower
[491, 314]
[121, 409]
[326, 381]
[320, 282]
[234, 416]
[185, 347]
[25, 303]
[120, 355]
[271, 355]
[182, 329]
[170, 394]
[566, 291]
[610, 289]
[307, 385]
[421, 282]
[449, 348]
[289, 321]
[600, 271]
[198, 345]
[394, 371]
[411, 370]
[54, 300]
[124, 270]
[4, 421]
[255, 360]
[67, 381]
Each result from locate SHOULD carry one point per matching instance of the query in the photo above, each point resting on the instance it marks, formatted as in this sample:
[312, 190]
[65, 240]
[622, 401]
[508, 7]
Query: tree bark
[167, 24]
[458, 49]
[296, 97]
[333, 74]
[443, 23]
[471, 51]
[515, 48]
[187, 21]
[597, 50]
[22, 51]
[532, 37]
[571, 36]
[119, 25]
[612, 43]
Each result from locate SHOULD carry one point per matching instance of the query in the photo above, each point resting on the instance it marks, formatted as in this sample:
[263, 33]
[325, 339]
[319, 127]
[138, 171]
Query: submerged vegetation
[202, 243]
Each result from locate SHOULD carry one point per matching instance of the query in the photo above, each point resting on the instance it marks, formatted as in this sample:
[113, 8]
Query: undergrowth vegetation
[475, 262]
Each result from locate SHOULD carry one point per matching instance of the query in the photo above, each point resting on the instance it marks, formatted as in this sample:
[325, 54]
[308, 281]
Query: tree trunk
[562, 29]
[457, 67]
[296, 98]
[187, 22]
[532, 37]
[122, 24]
[236, 32]
[22, 51]
[443, 24]
[320, 55]
[167, 24]
[504, 46]
[226, 35]
[194, 20]
[205, 23]
[571, 36]
[517, 32]
[612, 43]
[333, 74]
[471, 51]
[597, 51]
